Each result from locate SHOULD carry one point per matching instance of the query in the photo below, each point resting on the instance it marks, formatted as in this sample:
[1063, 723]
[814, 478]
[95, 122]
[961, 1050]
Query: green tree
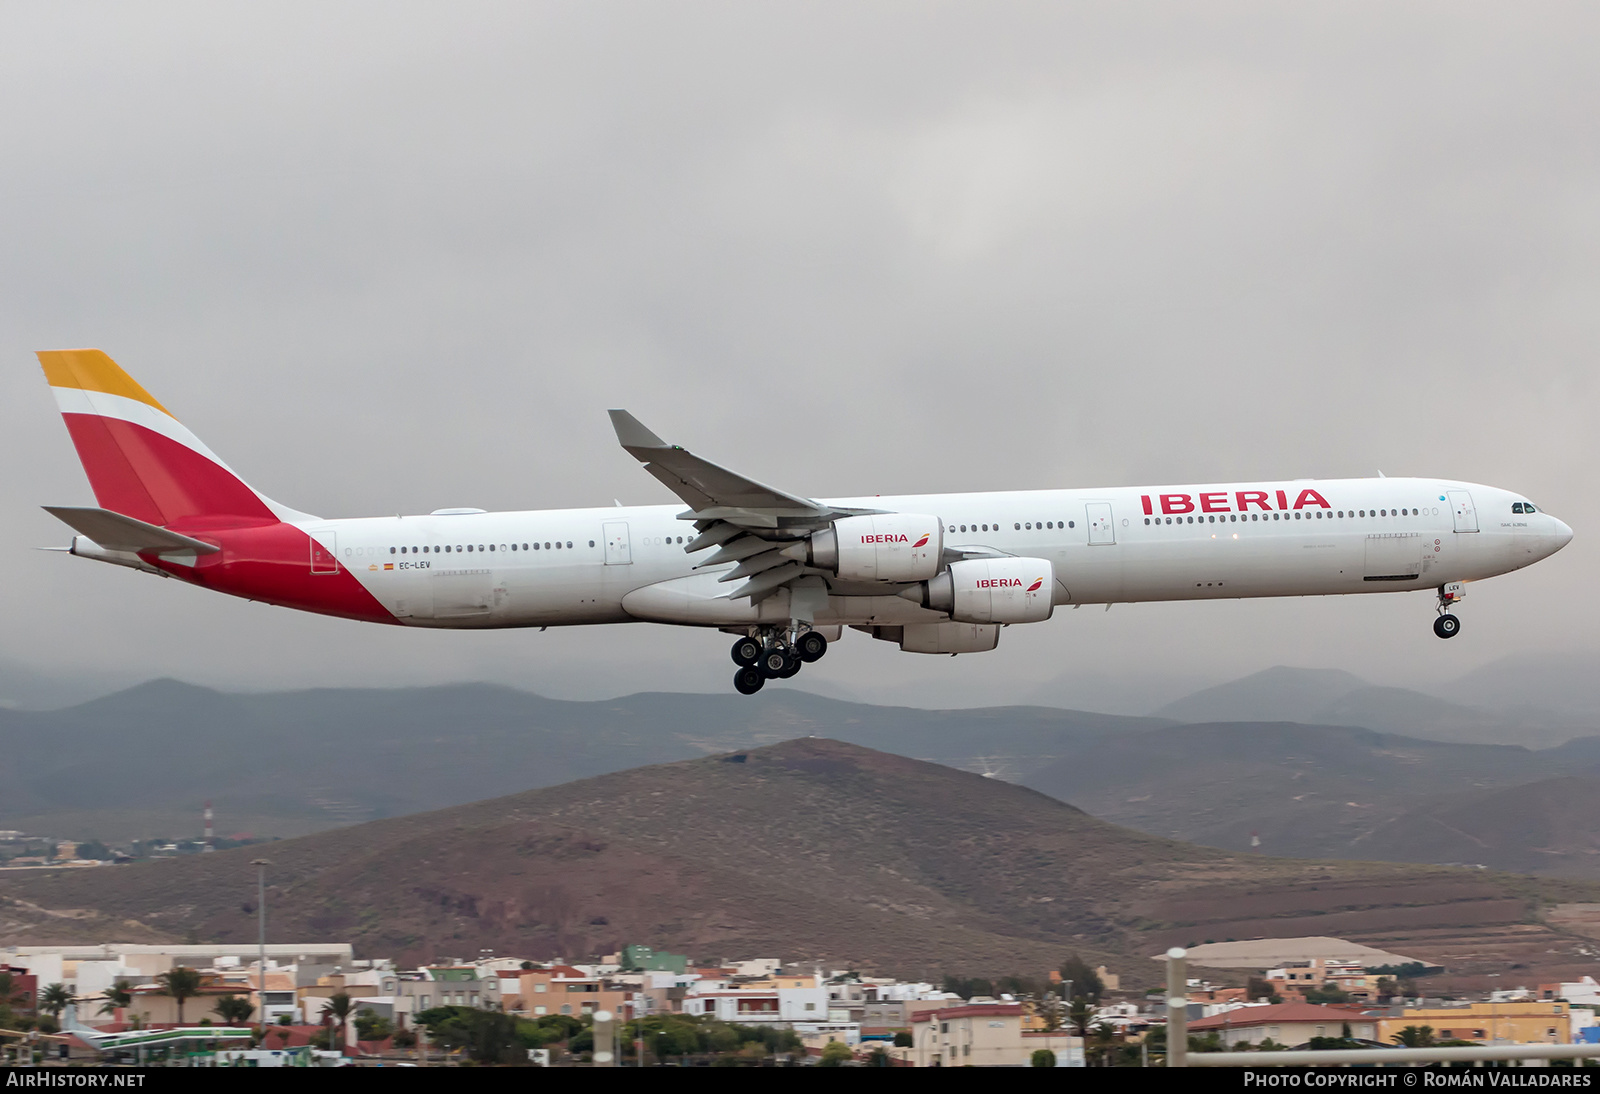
[338, 1009]
[181, 983]
[12, 997]
[487, 1036]
[1079, 1015]
[234, 1009]
[1415, 1037]
[903, 1039]
[54, 999]
[1261, 988]
[1042, 1057]
[836, 1054]
[1085, 981]
[1327, 995]
[372, 1026]
[118, 996]
[1101, 1045]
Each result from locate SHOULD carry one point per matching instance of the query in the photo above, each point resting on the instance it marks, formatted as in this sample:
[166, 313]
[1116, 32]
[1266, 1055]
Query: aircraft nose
[1563, 534]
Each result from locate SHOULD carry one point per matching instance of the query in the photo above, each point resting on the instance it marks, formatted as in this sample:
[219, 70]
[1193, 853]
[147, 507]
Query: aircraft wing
[758, 526]
[116, 532]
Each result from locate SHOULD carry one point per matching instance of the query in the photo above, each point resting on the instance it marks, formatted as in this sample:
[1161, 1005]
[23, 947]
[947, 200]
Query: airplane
[785, 573]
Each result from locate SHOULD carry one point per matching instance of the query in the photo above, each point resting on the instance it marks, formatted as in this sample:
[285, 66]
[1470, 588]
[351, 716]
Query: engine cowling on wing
[995, 590]
[880, 547]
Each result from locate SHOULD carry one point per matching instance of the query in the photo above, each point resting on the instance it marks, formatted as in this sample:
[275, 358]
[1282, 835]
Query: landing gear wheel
[810, 646]
[748, 680]
[775, 664]
[795, 665]
[746, 652]
[1447, 626]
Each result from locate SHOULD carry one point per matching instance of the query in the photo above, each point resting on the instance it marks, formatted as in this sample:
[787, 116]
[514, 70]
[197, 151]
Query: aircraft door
[1466, 515]
[619, 548]
[323, 557]
[1100, 528]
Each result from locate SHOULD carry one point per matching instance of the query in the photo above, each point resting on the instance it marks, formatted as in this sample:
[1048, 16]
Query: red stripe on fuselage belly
[272, 563]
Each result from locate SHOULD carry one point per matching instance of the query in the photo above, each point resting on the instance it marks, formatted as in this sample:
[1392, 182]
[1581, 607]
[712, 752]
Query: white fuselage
[1121, 544]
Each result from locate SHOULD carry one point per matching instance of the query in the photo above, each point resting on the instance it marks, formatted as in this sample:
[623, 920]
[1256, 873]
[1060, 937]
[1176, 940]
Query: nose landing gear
[1447, 625]
[774, 654]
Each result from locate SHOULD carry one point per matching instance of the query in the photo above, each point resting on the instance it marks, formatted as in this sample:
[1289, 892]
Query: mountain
[142, 762]
[1278, 694]
[1332, 697]
[1565, 682]
[1315, 791]
[1551, 826]
[812, 849]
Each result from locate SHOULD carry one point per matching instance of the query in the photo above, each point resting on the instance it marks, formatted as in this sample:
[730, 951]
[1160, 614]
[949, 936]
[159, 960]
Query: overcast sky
[395, 257]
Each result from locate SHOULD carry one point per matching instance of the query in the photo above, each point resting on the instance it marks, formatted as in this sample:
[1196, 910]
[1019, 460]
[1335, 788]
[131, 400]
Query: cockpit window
[1523, 507]
[1516, 507]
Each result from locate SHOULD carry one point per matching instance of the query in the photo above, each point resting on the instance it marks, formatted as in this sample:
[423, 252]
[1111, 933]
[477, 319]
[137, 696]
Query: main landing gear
[1447, 625]
[774, 654]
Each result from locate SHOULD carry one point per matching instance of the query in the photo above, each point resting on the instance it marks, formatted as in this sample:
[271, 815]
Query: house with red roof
[1285, 1023]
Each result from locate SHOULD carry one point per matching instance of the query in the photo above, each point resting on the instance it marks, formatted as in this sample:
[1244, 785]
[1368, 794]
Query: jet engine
[994, 590]
[881, 547]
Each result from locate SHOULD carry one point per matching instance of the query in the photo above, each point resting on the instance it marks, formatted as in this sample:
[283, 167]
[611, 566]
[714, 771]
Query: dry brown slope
[807, 849]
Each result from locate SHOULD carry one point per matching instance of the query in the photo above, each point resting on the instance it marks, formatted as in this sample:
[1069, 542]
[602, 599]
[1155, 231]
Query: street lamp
[261, 865]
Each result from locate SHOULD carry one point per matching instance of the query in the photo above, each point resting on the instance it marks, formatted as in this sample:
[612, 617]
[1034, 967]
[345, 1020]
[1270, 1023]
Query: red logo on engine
[923, 542]
[1036, 586]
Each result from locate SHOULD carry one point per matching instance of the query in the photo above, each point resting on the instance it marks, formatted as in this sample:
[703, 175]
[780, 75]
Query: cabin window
[535, 546]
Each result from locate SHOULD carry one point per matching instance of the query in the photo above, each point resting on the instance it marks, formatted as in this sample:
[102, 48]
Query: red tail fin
[140, 461]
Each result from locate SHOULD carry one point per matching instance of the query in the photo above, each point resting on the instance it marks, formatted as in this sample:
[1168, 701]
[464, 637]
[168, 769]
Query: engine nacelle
[995, 590]
[881, 547]
[949, 637]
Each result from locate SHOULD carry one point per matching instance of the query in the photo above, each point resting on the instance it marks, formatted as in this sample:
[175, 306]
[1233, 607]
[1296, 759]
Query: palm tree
[338, 1008]
[180, 983]
[117, 997]
[234, 1009]
[1414, 1037]
[55, 999]
[1080, 1014]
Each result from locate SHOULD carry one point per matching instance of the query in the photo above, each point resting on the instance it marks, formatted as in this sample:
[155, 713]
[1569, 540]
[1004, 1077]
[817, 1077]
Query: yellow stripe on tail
[92, 370]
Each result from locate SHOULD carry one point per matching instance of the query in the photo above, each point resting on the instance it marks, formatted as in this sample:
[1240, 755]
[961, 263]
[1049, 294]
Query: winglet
[631, 432]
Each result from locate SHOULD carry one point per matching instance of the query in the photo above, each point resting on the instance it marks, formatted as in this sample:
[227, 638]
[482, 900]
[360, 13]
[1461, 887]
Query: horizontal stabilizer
[116, 532]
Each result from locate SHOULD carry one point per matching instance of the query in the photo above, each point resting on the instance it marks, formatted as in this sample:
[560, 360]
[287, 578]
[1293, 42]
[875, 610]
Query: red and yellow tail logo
[923, 542]
[1036, 586]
